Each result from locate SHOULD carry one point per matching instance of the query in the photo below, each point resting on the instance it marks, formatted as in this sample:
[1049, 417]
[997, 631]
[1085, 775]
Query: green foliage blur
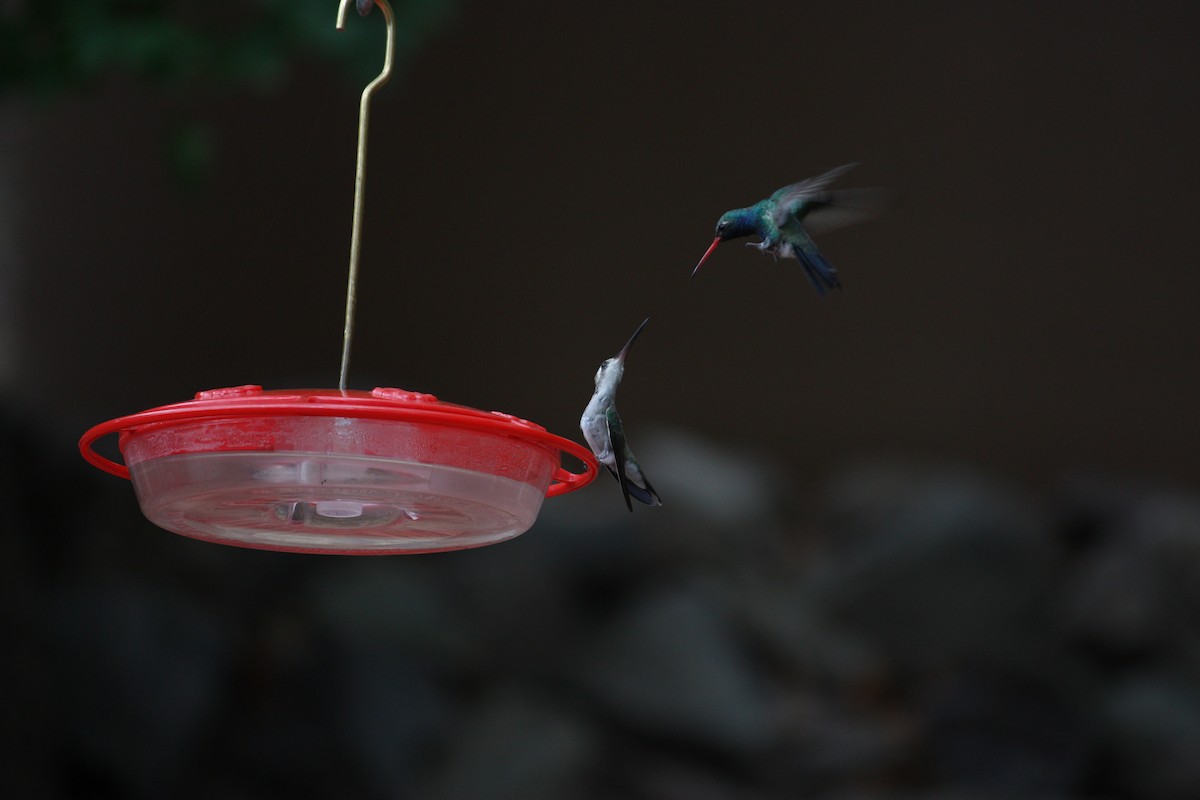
[48, 48]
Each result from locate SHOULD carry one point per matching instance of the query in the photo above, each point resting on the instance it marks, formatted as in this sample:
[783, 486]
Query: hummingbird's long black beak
[625, 350]
[707, 253]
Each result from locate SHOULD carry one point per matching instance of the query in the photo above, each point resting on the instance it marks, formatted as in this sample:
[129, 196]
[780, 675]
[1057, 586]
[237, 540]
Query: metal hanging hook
[364, 8]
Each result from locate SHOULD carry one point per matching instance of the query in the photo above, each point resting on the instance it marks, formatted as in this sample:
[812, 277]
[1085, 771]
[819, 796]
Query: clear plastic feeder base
[311, 503]
[339, 472]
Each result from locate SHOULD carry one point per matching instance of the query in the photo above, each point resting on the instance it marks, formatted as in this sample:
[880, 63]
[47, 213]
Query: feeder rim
[380, 404]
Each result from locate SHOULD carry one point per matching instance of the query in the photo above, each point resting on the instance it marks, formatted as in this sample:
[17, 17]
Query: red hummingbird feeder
[339, 470]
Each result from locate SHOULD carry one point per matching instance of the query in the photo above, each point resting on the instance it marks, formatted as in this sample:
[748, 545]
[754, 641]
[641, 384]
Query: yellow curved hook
[364, 8]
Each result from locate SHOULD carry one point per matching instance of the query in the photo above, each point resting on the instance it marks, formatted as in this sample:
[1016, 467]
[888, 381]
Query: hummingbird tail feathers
[820, 273]
[643, 493]
[637, 485]
[646, 495]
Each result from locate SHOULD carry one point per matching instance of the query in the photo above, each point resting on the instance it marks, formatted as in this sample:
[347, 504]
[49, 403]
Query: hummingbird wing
[616, 438]
[791, 198]
[628, 472]
[846, 207]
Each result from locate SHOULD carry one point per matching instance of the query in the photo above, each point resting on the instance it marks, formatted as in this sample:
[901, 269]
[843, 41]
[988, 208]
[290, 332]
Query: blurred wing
[846, 207]
[789, 199]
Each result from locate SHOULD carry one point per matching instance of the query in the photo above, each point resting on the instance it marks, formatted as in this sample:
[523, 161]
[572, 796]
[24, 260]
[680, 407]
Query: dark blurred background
[936, 535]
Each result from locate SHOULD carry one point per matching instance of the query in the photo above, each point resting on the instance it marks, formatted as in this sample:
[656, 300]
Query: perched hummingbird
[781, 220]
[602, 428]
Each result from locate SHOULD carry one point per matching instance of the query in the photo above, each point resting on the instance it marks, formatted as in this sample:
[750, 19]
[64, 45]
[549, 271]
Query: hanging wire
[364, 8]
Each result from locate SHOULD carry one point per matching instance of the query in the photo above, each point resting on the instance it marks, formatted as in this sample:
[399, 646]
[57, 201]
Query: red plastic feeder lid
[329, 471]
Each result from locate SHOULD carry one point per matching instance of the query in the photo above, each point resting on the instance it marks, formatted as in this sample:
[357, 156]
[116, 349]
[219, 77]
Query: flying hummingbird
[781, 220]
[602, 428]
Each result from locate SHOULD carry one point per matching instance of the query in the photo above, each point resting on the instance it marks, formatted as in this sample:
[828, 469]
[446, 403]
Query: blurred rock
[518, 745]
[392, 601]
[1113, 601]
[723, 519]
[278, 728]
[388, 714]
[722, 485]
[660, 778]
[1136, 589]
[590, 532]
[1152, 737]
[792, 627]
[1166, 529]
[937, 566]
[940, 794]
[831, 743]
[672, 666]
[141, 672]
[388, 635]
[518, 605]
[1004, 736]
